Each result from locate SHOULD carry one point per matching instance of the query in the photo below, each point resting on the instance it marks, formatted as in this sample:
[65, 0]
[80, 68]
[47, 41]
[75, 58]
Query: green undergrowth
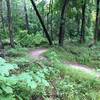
[16, 52]
[82, 54]
[30, 40]
[28, 78]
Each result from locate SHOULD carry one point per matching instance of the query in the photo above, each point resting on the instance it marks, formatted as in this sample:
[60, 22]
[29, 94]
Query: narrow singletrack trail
[83, 68]
[38, 54]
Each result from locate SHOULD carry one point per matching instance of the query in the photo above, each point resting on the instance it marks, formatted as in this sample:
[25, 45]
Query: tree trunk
[41, 21]
[48, 21]
[62, 23]
[78, 22]
[51, 11]
[97, 27]
[10, 28]
[3, 26]
[82, 35]
[1, 44]
[1, 48]
[26, 17]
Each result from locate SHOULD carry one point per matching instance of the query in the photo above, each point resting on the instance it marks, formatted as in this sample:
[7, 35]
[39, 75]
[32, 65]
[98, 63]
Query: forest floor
[49, 69]
[38, 53]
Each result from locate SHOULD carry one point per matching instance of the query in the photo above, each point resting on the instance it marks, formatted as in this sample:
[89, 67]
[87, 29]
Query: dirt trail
[83, 68]
[38, 54]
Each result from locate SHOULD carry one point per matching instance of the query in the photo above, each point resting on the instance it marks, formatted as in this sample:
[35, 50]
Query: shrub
[30, 40]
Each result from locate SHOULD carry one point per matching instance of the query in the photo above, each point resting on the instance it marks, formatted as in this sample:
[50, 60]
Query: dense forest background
[55, 20]
[49, 49]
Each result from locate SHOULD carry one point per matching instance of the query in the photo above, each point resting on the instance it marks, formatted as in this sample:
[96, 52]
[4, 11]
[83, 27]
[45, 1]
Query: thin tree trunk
[1, 48]
[82, 35]
[41, 21]
[3, 26]
[51, 6]
[48, 21]
[1, 44]
[26, 17]
[62, 23]
[78, 22]
[97, 30]
[10, 28]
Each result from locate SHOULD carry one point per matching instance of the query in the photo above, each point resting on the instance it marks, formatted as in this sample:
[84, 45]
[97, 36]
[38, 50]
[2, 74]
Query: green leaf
[2, 61]
[0, 91]
[45, 82]
[7, 97]
[32, 84]
[7, 89]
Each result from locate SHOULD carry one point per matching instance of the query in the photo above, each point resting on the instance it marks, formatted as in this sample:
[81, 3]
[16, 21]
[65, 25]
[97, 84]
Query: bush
[30, 40]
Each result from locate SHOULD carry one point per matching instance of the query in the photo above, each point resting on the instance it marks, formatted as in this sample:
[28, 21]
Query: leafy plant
[38, 38]
[6, 67]
[30, 40]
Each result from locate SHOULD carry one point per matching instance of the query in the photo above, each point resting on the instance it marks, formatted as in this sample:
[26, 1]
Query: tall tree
[78, 20]
[41, 21]
[3, 26]
[50, 18]
[82, 35]
[10, 28]
[51, 11]
[97, 26]
[1, 48]
[1, 44]
[26, 17]
[62, 23]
